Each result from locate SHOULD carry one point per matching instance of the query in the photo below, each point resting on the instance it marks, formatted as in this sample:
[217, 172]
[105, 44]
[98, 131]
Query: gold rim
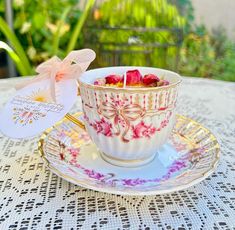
[132, 90]
[129, 90]
[129, 191]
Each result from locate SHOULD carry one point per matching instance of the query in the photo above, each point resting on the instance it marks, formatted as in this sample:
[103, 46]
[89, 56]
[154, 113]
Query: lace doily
[34, 198]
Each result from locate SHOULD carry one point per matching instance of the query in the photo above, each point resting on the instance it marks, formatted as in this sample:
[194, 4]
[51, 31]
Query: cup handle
[74, 119]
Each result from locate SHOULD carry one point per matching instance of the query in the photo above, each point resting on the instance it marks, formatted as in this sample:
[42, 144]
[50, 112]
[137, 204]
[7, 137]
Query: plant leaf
[79, 25]
[19, 64]
[16, 46]
[56, 37]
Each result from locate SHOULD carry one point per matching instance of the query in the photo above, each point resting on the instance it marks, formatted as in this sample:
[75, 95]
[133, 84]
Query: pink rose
[138, 129]
[133, 77]
[103, 127]
[143, 130]
[100, 81]
[150, 79]
[113, 79]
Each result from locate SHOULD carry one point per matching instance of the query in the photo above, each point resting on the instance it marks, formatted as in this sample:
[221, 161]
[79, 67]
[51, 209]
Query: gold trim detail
[129, 90]
[75, 120]
[183, 125]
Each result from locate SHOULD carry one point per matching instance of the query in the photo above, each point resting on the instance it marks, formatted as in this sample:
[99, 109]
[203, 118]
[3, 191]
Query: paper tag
[32, 110]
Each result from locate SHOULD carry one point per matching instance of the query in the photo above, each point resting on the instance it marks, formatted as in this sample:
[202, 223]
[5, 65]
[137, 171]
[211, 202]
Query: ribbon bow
[128, 113]
[55, 69]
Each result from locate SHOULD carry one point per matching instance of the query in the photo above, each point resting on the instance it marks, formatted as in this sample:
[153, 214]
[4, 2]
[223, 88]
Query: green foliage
[45, 28]
[225, 65]
[142, 14]
[185, 8]
[19, 55]
[197, 56]
[36, 25]
[78, 27]
[18, 62]
[208, 55]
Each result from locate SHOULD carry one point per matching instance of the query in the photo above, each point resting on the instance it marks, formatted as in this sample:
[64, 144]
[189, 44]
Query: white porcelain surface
[129, 124]
[190, 155]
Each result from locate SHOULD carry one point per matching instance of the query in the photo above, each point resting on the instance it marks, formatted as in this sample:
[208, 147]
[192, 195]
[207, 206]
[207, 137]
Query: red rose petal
[133, 77]
[113, 79]
[150, 79]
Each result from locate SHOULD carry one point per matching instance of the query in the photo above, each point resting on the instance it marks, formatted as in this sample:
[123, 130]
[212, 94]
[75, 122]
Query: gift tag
[32, 110]
[46, 98]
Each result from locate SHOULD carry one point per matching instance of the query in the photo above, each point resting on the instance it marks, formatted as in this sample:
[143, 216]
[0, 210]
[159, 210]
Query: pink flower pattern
[133, 182]
[103, 127]
[93, 174]
[143, 130]
[186, 160]
[175, 167]
[124, 115]
[74, 152]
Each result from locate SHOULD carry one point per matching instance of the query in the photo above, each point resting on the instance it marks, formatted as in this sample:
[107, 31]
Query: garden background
[168, 34]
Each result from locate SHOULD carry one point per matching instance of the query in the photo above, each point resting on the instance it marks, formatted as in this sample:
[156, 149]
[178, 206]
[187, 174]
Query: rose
[113, 79]
[150, 79]
[133, 77]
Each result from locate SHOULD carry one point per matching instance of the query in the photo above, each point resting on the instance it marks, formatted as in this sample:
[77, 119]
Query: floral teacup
[128, 125]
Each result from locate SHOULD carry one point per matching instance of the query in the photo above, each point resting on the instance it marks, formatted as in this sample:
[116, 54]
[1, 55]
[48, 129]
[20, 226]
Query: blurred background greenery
[160, 33]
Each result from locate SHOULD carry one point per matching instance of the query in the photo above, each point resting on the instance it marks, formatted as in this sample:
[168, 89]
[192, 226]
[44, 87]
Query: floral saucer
[190, 155]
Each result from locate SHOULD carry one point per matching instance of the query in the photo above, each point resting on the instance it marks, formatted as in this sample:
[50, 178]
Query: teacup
[128, 125]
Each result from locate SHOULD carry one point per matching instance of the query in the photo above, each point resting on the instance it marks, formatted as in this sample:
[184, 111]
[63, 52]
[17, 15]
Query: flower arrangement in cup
[131, 78]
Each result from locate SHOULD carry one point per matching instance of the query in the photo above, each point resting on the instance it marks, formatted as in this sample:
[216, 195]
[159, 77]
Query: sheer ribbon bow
[55, 69]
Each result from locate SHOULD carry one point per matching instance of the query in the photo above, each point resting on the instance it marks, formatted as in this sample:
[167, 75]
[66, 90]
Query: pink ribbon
[127, 113]
[55, 69]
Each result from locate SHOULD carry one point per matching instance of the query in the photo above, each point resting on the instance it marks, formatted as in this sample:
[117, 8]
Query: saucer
[190, 155]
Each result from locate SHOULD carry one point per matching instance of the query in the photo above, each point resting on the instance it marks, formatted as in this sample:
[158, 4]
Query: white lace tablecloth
[31, 197]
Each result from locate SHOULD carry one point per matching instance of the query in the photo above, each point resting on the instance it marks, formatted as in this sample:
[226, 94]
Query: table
[31, 197]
